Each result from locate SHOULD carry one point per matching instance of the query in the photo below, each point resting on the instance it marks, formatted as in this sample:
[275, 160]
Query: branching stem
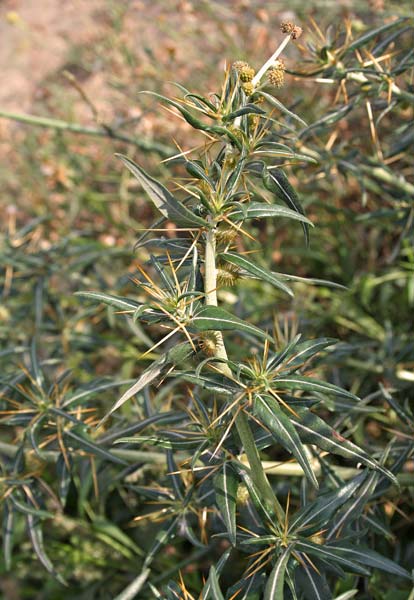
[243, 428]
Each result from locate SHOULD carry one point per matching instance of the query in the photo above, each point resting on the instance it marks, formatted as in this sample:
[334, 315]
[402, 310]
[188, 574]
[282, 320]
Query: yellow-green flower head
[246, 73]
[276, 75]
[248, 88]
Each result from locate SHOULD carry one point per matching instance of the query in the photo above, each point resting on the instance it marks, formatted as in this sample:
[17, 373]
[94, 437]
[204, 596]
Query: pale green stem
[269, 63]
[103, 131]
[243, 428]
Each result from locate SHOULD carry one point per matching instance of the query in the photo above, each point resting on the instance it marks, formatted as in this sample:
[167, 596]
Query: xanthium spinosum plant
[237, 386]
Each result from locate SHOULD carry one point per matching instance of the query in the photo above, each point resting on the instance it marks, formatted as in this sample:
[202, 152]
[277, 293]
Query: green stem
[243, 428]
[103, 131]
[133, 456]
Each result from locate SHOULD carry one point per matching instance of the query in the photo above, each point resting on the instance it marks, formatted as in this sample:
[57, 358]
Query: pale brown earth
[95, 40]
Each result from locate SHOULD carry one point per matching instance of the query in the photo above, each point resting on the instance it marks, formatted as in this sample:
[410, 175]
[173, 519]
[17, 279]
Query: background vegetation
[71, 217]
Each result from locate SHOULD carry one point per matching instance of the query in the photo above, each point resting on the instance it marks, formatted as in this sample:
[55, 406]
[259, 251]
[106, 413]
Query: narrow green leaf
[268, 411]
[215, 591]
[277, 104]
[81, 439]
[28, 509]
[92, 388]
[131, 591]
[110, 531]
[8, 534]
[174, 475]
[276, 181]
[163, 442]
[347, 595]
[198, 171]
[276, 581]
[64, 477]
[225, 485]
[221, 563]
[313, 585]
[258, 210]
[248, 109]
[124, 304]
[369, 557]
[329, 554]
[214, 318]
[175, 356]
[308, 349]
[215, 383]
[318, 512]
[196, 123]
[354, 508]
[371, 34]
[249, 587]
[162, 537]
[255, 270]
[313, 430]
[166, 203]
[329, 119]
[311, 281]
[308, 384]
[36, 537]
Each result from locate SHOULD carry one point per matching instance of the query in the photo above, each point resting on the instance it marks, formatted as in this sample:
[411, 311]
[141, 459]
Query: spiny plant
[272, 500]
[236, 384]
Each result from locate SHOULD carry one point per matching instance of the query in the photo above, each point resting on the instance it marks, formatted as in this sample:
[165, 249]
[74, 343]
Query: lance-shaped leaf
[36, 537]
[163, 417]
[218, 384]
[29, 509]
[215, 592]
[354, 508]
[371, 34]
[317, 513]
[170, 442]
[308, 384]
[249, 587]
[276, 181]
[255, 270]
[311, 281]
[313, 430]
[174, 475]
[225, 485]
[248, 109]
[196, 123]
[64, 477]
[221, 563]
[313, 584]
[162, 537]
[260, 210]
[175, 355]
[277, 104]
[124, 304]
[81, 439]
[276, 581]
[8, 533]
[268, 411]
[329, 554]
[368, 557]
[166, 203]
[307, 350]
[214, 318]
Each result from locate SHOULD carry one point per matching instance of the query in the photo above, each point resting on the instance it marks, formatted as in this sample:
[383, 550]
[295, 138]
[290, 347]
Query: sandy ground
[34, 39]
